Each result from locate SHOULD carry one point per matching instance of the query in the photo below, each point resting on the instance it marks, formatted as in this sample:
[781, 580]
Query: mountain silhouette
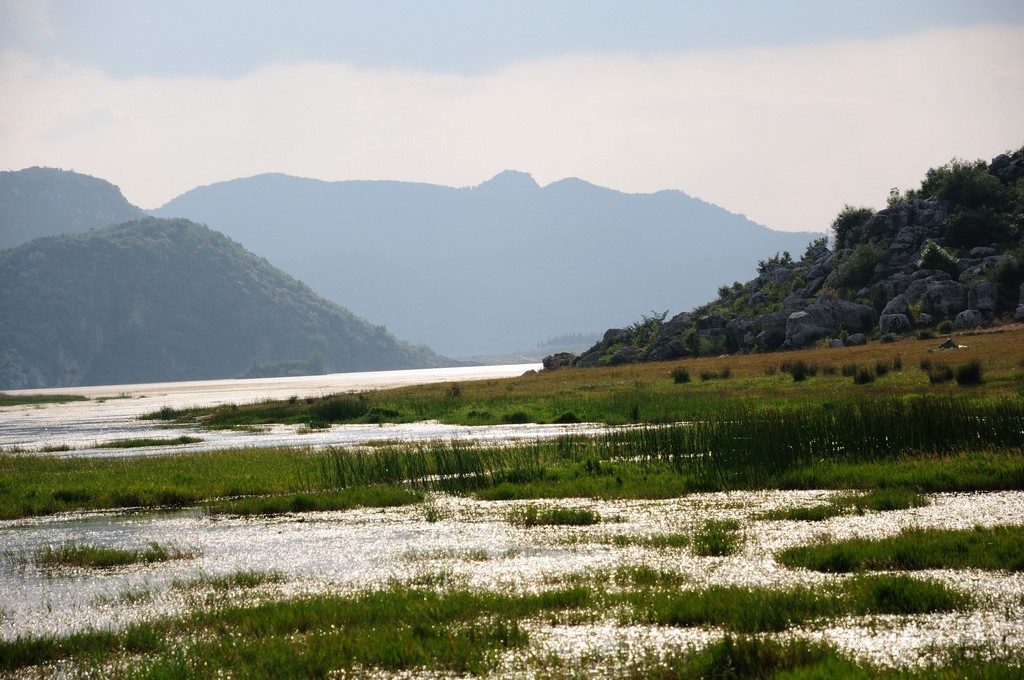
[487, 269]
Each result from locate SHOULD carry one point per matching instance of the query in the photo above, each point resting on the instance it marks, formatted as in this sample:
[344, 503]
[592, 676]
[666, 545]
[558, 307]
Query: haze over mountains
[477, 271]
[161, 300]
[489, 269]
[38, 202]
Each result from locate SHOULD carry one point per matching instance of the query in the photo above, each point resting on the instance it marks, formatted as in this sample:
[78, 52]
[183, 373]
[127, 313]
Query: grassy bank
[650, 393]
[637, 464]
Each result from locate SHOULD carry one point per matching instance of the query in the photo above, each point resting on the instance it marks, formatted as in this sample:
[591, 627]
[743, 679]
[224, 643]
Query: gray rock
[836, 343]
[1019, 316]
[856, 340]
[711, 322]
[773, 330]
[944, 298]
[925, 320]
[969, 318]
[674, 349]
[983, 296]
[894, 323]
[554, 362]
[625, 355]
[981, 251]
[613, 336]
[896, 305]
[590, 359]
[673, 328]
[740, 332]
[827, 318]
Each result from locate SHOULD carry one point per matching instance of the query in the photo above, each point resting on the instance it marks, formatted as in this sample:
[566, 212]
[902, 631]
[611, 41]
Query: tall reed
[744, 446]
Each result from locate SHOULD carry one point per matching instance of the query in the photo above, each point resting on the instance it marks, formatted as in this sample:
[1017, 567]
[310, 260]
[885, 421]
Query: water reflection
[474, 545]
[112, 413]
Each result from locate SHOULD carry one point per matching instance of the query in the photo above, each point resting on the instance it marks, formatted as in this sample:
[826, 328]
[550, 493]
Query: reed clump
[1000, 547]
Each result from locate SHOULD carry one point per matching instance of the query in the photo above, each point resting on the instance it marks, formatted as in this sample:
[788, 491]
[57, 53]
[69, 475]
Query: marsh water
[81, 428]
[451, 541]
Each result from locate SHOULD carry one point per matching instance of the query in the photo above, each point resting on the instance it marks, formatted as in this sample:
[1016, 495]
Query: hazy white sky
[783, 110]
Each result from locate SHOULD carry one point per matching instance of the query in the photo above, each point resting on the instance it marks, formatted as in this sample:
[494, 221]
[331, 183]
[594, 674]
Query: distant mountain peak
[511, 180]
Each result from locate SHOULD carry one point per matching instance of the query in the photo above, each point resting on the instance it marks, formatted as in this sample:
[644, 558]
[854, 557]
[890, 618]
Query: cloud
[25, 21]
[785, 136]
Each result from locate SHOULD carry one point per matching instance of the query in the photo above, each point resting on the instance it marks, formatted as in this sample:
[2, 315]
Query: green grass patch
[398, 629]
[758, 610]
[1000, 547]
[73, 555]
[751, 657]
[140, 443]
[534, 516]
[239, 580]
[876, 500]
[7, 399]
[743, 656]
[345, 499]
[717, 538]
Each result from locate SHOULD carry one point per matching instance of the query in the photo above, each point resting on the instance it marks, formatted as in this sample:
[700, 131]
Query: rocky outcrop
[826, 318]
[903, 271]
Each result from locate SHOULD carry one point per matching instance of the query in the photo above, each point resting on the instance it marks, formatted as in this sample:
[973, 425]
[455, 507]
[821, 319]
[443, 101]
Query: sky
[783, 111]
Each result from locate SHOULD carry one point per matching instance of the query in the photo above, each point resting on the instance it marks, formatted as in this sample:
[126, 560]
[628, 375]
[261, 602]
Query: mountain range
[493, 268]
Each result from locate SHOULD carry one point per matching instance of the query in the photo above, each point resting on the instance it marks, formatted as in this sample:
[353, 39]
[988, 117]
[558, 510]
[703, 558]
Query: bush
[849, 370]
[799, 370]
[848, 223]
[945, 327]
[863, 377]
[858, 269]
[934, 256]
[969, 373]
[969, 227]
[966, 183]
[680, 375]
[939, 373]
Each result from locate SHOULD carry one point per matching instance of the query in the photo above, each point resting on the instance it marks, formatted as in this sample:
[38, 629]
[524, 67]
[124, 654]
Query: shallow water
[112, 413]
[471, 545]
[474, 545]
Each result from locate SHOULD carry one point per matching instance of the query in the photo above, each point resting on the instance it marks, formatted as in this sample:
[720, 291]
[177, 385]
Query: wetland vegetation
[885, 445]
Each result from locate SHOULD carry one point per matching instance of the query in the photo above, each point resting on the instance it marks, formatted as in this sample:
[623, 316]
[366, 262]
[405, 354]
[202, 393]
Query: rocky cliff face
[956, 259]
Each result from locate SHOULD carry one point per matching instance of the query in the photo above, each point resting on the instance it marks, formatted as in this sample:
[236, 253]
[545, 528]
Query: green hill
[38, 202]
[156, 300]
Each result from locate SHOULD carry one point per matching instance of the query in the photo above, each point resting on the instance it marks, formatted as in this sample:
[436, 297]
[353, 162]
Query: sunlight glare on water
[474, 545]
[112, 413]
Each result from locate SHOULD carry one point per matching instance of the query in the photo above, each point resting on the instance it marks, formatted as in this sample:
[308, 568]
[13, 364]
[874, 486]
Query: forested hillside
[45, 201]
[157, 299]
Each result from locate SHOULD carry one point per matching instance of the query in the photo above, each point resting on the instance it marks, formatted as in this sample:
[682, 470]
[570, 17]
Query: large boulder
[944, 298]
[967, 319]
[554, 362]
[894, 323]
[773, 330]
[897, 305]
[673, 349]
[983, 296]
[827, 317]
[740, 333]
